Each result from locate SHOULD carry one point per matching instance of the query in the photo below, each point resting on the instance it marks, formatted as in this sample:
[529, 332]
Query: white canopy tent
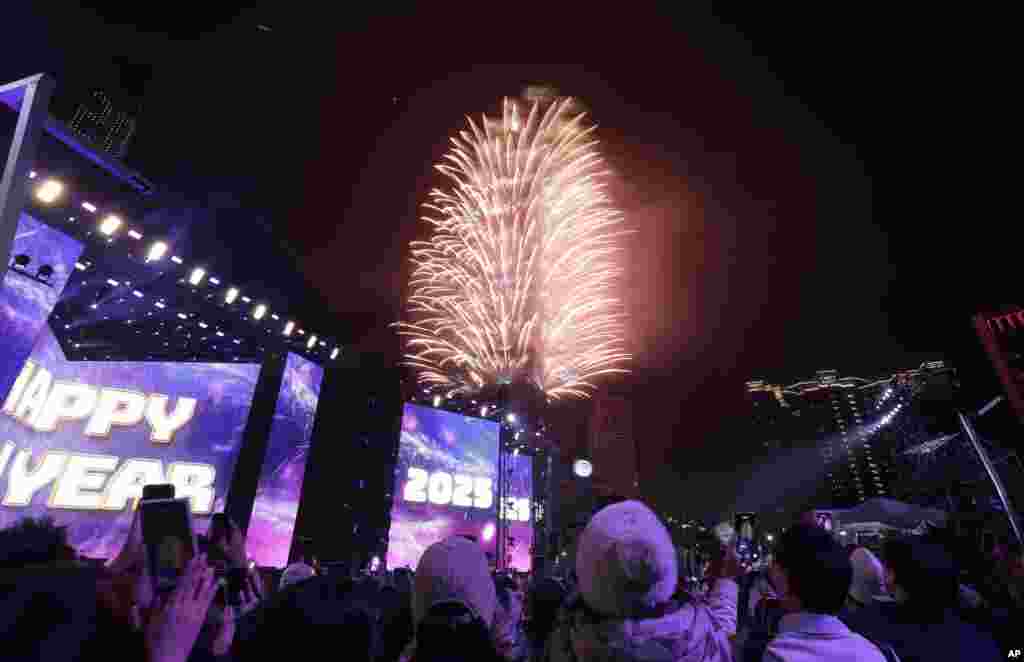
[892, 513]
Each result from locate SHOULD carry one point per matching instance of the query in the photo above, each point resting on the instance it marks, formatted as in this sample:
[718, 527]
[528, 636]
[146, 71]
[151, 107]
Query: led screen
[445, 485]
[520, 524]
[26, 300]
[280, 484]
[80, 439]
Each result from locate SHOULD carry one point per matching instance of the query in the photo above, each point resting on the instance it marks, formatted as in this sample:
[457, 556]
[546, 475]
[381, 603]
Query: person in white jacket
[625, 610]
[812, 573]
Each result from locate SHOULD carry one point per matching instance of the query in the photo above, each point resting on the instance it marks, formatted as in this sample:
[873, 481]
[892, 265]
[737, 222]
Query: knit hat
[296, 573]
[454, 570]
[626, 560]
[868, 576]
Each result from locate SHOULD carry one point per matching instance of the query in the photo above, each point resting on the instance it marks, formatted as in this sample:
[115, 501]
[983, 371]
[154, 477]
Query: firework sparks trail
[519, 279]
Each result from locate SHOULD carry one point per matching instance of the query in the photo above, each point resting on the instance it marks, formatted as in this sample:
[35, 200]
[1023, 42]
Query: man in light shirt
[812, 573]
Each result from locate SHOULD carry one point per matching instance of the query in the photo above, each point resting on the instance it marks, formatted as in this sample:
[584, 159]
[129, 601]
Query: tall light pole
[986, 461]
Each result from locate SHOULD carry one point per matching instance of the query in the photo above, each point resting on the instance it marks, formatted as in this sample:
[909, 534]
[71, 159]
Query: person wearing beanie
[868, 580]
[627, 569]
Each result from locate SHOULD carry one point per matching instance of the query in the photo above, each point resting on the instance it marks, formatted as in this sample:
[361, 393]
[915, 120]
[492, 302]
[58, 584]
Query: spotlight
[483, 411]
[110, 225]
[437, 401]
[182, 316]
[138, 295]
[511, 418]
[259, 312]
[157, 251]
[113, 283]
[231, 295]
[32, 174]
[160, 304]
[220, 334]
[246, 300]
[335, 352]
[177, 260]
[80, 266]
[214, 281]
[582, 468]
[197, 275]
[89, 207]
[204, 325]
[288, 328]
[312, 342]
[135, 234]
[49, 191]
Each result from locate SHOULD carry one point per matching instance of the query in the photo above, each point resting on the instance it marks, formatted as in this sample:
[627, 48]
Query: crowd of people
[817, 600]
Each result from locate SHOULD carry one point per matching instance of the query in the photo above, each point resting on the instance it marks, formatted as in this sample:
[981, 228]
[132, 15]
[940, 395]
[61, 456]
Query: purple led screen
[272, 524]
[80, 439]
[445, 485]
[520, 523]
[25, 303]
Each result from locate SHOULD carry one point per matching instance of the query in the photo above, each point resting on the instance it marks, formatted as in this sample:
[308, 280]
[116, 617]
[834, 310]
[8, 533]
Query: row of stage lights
[50, 191]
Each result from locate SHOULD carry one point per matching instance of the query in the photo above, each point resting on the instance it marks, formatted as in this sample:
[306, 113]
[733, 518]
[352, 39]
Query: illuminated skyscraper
[842, 417]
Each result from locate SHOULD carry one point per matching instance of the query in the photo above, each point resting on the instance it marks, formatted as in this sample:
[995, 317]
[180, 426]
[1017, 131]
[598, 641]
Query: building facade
[845, 420]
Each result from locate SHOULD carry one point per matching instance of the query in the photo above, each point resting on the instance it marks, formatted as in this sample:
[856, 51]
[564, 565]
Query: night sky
[791, 175]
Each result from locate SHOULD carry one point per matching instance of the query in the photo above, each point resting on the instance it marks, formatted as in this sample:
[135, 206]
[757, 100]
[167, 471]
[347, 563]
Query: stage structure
[86, 422]
[515, 295]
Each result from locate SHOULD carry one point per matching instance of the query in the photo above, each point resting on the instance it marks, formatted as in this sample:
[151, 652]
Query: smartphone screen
[167, 536]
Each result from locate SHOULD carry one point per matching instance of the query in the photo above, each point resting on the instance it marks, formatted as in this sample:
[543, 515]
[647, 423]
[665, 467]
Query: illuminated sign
[443, 489]
[89, 481]
[40, 403]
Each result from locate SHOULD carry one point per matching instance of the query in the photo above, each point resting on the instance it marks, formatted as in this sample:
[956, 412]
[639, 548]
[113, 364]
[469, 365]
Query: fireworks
[518, 282]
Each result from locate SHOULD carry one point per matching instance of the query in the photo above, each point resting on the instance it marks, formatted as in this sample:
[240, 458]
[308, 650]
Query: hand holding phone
[167, 538]
[175, 623]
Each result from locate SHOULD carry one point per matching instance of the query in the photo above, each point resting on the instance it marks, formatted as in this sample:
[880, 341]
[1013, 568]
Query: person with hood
[453, 604]
[627, 569]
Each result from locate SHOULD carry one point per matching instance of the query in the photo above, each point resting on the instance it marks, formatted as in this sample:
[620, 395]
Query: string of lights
[108, 227]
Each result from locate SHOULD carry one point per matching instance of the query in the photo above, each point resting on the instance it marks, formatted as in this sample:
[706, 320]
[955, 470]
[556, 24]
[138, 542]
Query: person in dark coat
[922, 624]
